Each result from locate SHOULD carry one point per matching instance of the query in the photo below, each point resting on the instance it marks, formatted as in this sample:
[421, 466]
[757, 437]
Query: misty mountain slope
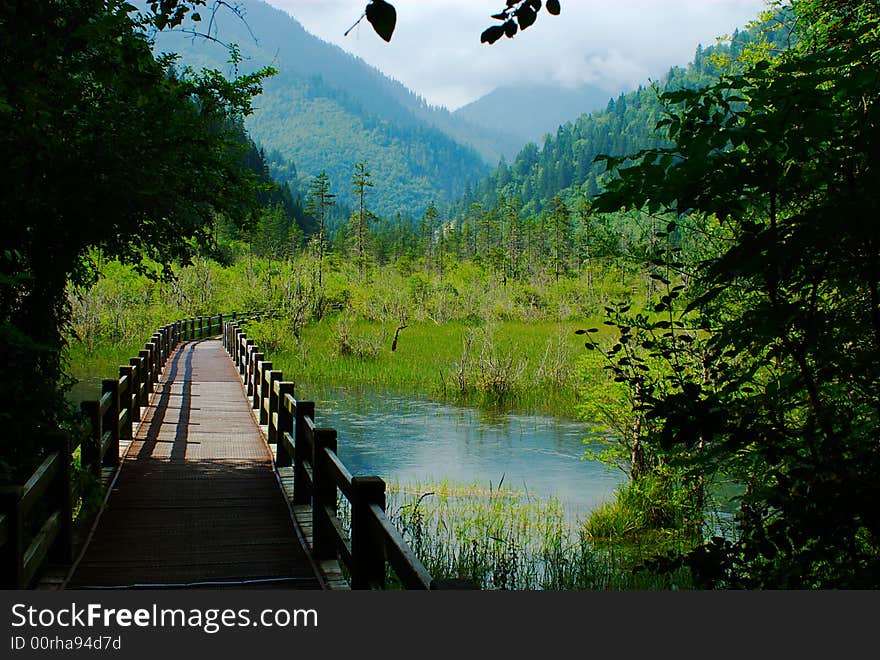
[529, 112]
[566, 164]
[327, 110]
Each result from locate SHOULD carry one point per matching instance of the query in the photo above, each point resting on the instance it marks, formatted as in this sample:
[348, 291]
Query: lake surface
[414, 440]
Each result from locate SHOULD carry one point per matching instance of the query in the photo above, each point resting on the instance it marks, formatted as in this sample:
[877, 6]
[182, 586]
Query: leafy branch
[517, 15]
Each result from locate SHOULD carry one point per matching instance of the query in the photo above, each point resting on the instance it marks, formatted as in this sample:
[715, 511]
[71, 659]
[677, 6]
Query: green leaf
[553, 7]
[383, 17]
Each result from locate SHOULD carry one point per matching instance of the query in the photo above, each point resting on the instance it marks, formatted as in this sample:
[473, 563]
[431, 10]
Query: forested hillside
[327, 110]
[565, 163]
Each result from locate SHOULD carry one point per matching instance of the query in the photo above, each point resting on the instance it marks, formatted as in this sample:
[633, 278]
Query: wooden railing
[319, 476]
[43, 503]
[42, 520]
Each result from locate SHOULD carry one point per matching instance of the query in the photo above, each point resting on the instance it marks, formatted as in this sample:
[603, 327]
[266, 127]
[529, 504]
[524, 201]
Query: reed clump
[504, 539]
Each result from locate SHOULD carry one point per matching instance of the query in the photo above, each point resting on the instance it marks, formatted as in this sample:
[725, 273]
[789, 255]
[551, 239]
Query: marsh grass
[501, 538]
[509, 366]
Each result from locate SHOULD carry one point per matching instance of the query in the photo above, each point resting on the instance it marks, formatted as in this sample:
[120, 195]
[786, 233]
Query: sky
[614, 44]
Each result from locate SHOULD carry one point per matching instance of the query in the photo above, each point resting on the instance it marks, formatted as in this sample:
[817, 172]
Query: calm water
[413, 440]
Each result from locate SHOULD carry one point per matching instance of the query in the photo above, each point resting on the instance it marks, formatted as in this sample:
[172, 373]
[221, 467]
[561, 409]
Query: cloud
[436, 48]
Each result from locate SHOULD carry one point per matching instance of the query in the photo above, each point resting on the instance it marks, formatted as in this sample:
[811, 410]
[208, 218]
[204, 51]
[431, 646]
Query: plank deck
[196, 503]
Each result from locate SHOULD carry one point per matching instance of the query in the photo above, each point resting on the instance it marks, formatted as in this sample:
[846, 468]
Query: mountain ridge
[328, 109]
[530, 112]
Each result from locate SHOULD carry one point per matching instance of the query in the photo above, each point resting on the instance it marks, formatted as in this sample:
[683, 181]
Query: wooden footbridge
[214, 476]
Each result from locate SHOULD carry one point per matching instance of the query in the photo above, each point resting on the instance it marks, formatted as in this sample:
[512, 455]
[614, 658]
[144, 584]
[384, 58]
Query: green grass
[515, 366]
[498, 538]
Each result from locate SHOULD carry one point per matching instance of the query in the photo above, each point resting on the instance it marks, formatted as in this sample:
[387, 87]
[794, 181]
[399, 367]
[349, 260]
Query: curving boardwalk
[196, 503]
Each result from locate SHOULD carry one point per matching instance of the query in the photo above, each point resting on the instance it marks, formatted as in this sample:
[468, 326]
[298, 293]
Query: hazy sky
[436, 49]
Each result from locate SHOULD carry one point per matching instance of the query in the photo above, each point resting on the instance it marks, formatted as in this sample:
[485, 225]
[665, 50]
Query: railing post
[246, 357]
[135, 403]
[62, 550]
[272, 417]
[251, 383]
[151, 370]
[367, 549]
[140, 364]
[163, 340]
[126, 402]
[111, 458]
[241, 348]
[12, 552]
[156, 340]
[285, 425]
[236, 347]
[263, 392]
[230, 335]
[90, 454]
[301, 494]
[323, 497]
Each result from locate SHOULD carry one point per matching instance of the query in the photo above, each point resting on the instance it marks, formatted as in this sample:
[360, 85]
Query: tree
[559, 217]
[361, 180]
[782, 393]
[428, 229]
[102, 145]
[320, 200]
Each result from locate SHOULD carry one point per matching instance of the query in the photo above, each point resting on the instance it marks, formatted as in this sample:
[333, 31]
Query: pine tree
[361, 180]
[559, 226]
[320, 201]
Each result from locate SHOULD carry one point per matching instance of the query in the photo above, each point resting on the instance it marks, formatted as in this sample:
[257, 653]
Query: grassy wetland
[462, 338]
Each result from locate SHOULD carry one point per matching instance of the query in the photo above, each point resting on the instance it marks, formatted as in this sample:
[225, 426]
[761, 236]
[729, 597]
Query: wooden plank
[339, 473]
[38, 550]
[106, 442]
[39, 483]
[340, 537]
[196, 501]
[105, 402]
[408, 567]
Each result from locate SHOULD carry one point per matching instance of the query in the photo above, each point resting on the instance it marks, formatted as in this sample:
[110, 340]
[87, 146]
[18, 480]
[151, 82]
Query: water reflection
[415, 440]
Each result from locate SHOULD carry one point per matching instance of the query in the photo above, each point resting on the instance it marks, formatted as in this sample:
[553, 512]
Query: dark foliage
[776, 385]
[102, 146]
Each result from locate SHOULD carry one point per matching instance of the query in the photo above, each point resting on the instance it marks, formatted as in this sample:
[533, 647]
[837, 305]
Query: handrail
[23, 555]
[112, 416]
[319, 476]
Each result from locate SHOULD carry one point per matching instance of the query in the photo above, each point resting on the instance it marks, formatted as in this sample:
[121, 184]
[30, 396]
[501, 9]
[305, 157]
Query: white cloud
[436, 48]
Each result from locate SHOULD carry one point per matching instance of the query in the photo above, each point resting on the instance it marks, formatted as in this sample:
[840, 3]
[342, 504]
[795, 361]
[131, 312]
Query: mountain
[327, 110]
[565, 163]
[529, 112]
